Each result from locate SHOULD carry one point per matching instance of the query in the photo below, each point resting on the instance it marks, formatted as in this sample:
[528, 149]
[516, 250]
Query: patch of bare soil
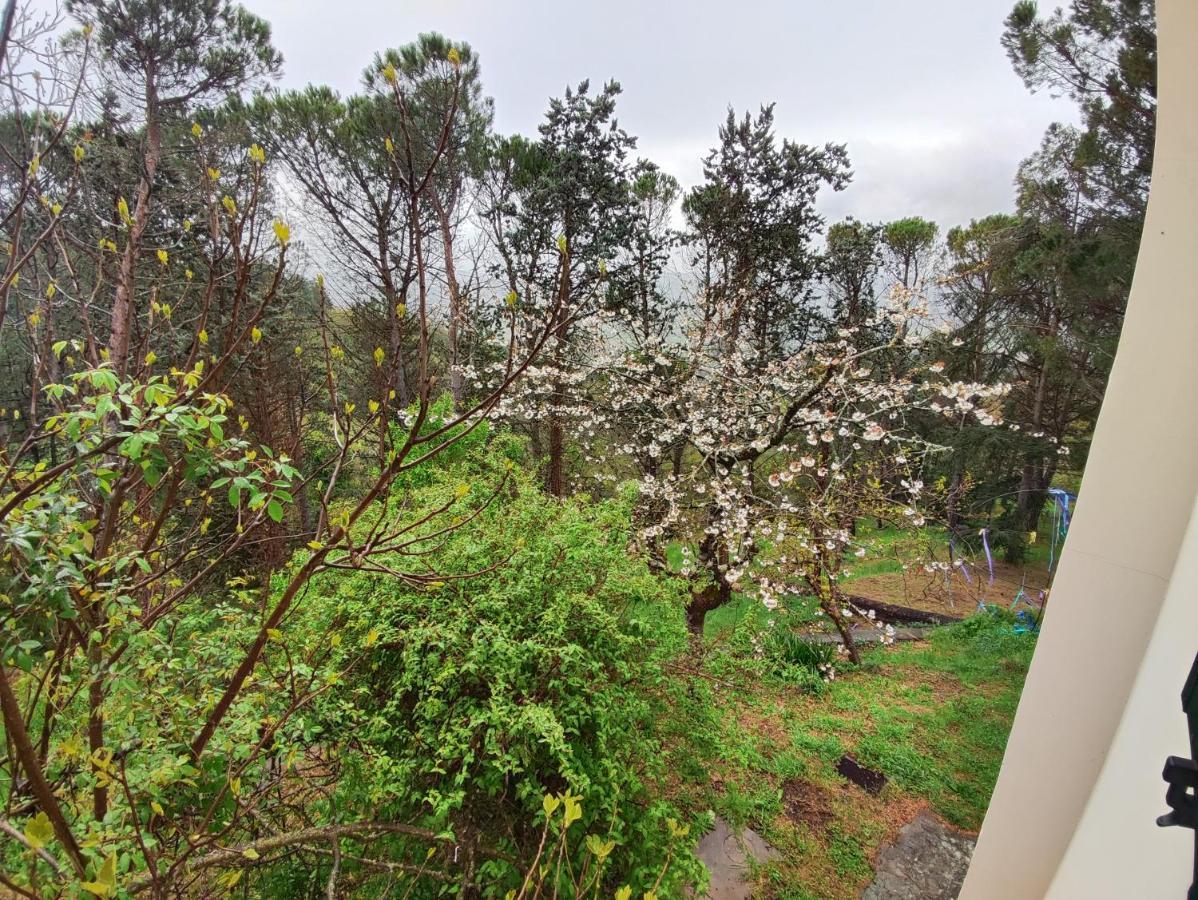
[807, 803]
[766, 724]
[954, 595]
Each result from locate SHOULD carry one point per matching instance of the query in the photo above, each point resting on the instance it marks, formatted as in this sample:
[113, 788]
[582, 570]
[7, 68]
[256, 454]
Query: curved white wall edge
[1121, 557]
[1117, 850]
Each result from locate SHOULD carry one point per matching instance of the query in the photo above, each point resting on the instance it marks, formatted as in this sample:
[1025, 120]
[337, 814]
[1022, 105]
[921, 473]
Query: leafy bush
[471, 700]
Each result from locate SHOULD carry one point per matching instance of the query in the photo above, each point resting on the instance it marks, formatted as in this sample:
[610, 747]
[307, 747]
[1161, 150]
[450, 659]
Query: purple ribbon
[1060, 521]
[989, 557]
[964, 567]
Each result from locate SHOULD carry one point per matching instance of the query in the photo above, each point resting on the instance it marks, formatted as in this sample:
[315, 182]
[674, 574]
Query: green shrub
[472, 698]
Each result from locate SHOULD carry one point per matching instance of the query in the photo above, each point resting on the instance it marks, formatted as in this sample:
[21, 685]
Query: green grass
[933, 716]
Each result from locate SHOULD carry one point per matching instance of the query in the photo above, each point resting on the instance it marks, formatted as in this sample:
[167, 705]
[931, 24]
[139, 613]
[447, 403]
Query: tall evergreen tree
[166, 56]
[753, 222]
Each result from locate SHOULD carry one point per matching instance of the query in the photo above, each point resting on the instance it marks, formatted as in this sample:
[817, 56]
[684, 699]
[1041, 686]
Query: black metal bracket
[1181, 775]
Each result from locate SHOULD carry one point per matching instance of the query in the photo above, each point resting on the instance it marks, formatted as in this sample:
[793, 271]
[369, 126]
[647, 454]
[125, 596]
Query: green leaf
[274, 509]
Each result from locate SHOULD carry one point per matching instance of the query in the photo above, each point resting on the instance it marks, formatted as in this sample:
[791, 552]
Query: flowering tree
[781, 457]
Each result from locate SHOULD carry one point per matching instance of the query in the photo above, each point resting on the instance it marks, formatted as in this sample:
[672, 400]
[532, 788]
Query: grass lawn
[933, 716]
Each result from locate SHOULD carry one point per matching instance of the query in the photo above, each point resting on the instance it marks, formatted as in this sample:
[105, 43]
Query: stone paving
[865, 635]
[727, 855]
[927, 862]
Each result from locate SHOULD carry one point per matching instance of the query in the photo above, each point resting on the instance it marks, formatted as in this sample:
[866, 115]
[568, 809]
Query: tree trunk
[453, 334]
[952, 512]
[557, 435]
[714, 558]
[123, 313]
[702, 602]
[832, 609]
[95, 723]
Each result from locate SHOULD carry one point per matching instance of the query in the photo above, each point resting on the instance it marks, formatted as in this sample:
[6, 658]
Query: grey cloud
[920, 90]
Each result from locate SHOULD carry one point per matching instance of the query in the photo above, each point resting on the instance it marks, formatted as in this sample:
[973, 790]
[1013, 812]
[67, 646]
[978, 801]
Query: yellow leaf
[229, 204]
[213, 174]
[274, 634]
[282, 232]
[378, 356]
[250, 853]
[105, 882]
[35, 164]
[550, 803]
[163, 257]
[624, 893]
[372, 637]
[454, 57]
[157, 807]
[79, 152]
[203, 336]
[373, 405]
[187, 273]
[257, 154]
[573, 809]
[510, 300]
[401, 309]
[255, 334]
[122, 208]
[196, 130]
[187, 224]
[335, 640]
[389, 145]
[39, 831]
[230, 879]
[315, 545]
[151, 357]
[390, 74]
[299, 351]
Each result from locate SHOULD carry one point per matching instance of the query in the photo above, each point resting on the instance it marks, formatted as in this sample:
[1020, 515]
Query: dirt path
[955, 596]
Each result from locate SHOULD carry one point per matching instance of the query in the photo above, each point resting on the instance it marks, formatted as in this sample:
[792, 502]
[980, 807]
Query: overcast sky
[920, 90]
